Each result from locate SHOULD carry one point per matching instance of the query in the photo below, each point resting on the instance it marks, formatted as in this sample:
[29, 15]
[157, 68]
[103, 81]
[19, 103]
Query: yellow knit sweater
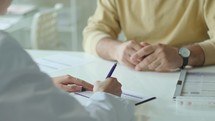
[173, 22]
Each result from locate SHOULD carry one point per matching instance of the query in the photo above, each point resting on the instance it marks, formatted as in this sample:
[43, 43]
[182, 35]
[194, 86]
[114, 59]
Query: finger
[135, 45]
[67, 79]
[143, 65]
[174, 70]
[143, 44]
[154, 64]
[159, 69]
[83, 83]
[126, 59]
[135, 60]
[141, 68]
[98, 82]
[130, 52]
[130, 59]
[163, 69]
[115, 83]
[128, 63]
[145, 51]
[119, 93]
[71, 88]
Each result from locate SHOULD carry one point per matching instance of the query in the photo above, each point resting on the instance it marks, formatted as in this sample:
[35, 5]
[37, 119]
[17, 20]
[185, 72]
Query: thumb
[97, 82]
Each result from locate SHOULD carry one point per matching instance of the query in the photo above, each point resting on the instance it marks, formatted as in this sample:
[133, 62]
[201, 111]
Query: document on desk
[53, 63]
[7, 22]
[195, 89]
[131, 96]
[201, 84]
[21, 9]
[195, 84]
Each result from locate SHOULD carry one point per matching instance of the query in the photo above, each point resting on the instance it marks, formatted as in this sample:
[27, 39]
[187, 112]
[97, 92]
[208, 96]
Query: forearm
[197, 56]
[106, 48]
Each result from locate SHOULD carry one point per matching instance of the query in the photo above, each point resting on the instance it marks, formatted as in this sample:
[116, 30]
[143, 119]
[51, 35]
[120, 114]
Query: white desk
[161, 85]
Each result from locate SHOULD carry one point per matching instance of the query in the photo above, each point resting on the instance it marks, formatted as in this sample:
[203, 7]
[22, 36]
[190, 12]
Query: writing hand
[71, 84]
[109, 85]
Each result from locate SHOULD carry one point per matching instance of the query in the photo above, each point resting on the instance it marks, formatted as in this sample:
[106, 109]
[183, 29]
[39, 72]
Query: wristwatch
[185, 54]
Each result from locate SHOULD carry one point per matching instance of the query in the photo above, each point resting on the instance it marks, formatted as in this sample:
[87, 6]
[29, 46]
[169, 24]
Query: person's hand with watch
[185, 54]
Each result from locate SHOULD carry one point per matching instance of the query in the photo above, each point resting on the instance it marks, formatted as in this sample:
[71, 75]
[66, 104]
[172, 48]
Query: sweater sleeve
[104, 23]
[208, 46]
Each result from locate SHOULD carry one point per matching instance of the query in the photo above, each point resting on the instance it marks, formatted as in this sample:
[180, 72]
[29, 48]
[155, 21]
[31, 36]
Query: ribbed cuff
[208, 47]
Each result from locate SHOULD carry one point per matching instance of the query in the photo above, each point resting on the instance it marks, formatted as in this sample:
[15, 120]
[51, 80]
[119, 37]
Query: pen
[111, 70]
[152, 98]
[109, 75]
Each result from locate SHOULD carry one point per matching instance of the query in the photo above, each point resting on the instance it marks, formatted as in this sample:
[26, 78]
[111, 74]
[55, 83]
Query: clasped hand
[147, 57]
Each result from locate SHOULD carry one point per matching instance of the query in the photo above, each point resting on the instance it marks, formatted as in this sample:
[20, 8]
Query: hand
[71, 84]
[125, 50]
[158, 57]
[110, 85]
[134, 58]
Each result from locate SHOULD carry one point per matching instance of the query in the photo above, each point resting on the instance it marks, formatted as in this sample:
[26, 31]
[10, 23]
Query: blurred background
[60, 22]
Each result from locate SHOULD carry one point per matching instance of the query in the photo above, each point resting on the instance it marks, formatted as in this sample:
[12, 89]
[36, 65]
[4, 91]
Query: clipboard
[195, 89]
[180, 83]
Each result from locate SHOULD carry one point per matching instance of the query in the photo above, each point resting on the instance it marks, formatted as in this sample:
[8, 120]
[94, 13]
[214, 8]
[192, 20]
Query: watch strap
[185, 62]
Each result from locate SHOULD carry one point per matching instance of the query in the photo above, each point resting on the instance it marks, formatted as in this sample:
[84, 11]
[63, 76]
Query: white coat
[27, 94]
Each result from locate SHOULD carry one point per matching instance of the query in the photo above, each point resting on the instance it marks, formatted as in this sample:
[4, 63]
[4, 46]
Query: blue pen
[111, 70]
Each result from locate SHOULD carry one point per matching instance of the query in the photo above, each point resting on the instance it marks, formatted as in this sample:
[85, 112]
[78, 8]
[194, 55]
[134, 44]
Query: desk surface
[161, 85]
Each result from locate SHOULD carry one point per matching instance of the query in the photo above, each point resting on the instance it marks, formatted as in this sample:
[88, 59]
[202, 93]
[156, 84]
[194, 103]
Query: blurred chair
[44, 34]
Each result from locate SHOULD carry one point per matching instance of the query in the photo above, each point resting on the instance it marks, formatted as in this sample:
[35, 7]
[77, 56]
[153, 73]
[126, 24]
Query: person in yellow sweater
[161, 35]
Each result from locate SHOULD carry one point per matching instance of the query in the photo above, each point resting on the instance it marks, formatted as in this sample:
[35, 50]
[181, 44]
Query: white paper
[20, 9]
[199, 84]
[54, 63]
[131, 96]
[7, 22]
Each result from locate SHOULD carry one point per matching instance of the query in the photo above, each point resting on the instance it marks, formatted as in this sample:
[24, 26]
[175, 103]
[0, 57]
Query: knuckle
[160, 45]
[120, 85]
[159, 70]
[165, 58]
[124, 53]
[126, 48]
[131, 42]
[67, 77]
[151, 67]
[82, 81]
[147, 61]
[141, 52]
[114, 78]
[110, 79]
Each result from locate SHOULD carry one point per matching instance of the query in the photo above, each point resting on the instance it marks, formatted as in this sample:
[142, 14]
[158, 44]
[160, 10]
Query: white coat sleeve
[27, 94]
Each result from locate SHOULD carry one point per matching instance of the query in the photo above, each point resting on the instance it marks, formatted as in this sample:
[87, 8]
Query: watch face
[184, 52]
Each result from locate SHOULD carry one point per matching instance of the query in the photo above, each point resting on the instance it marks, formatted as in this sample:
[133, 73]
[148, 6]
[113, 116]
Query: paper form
[133, 97]
[59, 62]
[7, 22]
[200, 84]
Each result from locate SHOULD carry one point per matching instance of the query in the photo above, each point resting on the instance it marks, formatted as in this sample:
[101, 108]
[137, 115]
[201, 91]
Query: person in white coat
[27, 94]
